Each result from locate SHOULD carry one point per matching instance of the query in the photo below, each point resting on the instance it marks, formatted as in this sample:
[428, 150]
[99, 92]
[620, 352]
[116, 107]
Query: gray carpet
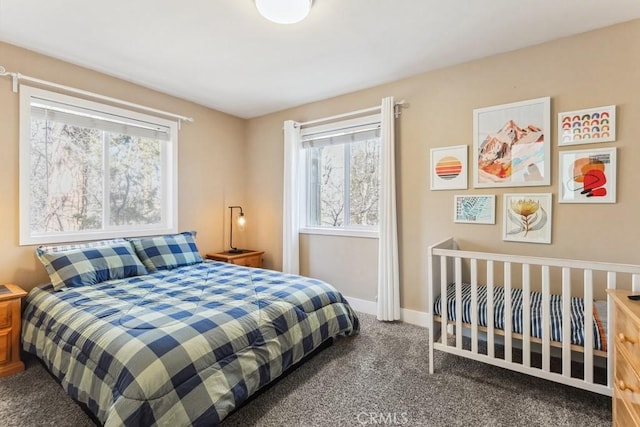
[377, 378]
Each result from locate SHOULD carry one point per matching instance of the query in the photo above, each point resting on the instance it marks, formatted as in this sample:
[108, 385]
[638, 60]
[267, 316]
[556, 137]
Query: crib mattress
[577, 313]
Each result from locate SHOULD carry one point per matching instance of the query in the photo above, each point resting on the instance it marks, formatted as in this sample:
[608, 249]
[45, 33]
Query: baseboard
[413, 317]
[364, 306]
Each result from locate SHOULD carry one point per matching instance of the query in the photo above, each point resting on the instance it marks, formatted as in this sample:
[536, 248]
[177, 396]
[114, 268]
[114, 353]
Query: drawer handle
[623, 338]
[624, 386]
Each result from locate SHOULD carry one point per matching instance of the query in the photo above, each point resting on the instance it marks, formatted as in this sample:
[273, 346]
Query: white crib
[583, 279]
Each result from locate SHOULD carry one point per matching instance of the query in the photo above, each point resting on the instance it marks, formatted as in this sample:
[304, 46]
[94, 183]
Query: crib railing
[445, 266]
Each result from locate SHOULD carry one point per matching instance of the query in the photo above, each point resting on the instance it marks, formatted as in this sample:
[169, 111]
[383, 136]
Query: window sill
[368, 234]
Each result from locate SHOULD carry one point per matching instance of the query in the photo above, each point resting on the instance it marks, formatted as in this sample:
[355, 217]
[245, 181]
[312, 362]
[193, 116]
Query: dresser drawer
[626, 359]
[627, 334]
[627, 380]
[5, 314]
[623, 416]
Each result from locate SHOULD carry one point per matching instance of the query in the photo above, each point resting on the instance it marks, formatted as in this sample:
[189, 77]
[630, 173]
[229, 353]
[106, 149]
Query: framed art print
[527, 218]
[449, 168]
[587, 176]
[587, 126]
[474, 209]
[512, 144]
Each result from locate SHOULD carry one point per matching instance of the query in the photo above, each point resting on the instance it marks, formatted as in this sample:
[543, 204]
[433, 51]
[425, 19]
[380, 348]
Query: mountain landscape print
[512, 147]
[495, 159]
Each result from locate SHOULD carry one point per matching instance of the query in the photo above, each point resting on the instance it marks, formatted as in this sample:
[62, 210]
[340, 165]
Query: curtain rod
[399, 104]
[18, 76]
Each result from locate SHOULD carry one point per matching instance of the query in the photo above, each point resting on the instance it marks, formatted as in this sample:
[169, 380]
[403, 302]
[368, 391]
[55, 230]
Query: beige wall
[348, 263]
[589, 70]
[211, 151]
[593, 69]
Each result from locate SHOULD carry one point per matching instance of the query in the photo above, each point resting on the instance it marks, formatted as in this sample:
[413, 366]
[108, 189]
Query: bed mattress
[180, 347]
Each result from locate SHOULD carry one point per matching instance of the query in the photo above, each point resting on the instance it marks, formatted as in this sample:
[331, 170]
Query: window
[342, 175]
[91, 171]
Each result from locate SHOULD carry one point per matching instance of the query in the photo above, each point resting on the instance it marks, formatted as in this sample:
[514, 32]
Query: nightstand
[10, 322]
[247, 258]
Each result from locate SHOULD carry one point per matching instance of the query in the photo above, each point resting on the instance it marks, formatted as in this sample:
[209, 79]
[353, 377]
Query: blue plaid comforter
[555, 310]
[183, 346]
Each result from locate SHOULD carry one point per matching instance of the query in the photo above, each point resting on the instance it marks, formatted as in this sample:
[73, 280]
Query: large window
[342, 175]
[91, 171]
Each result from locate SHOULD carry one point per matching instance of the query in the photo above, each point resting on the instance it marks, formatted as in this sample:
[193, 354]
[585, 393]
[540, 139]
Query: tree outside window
[91, 171]
[344, 185]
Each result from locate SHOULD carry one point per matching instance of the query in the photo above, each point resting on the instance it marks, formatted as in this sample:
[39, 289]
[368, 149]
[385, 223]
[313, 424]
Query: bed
[145, 332]
[510, 311]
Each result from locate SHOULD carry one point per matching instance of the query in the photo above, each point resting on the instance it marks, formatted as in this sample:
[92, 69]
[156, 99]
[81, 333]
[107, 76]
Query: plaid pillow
[168, 251]
[65, 248]
[90, 265]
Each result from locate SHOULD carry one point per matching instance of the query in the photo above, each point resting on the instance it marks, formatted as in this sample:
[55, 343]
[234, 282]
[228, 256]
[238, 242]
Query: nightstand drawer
[5, 314]
[246, 258]
[5, 346]
[250, 261]
[10, 302]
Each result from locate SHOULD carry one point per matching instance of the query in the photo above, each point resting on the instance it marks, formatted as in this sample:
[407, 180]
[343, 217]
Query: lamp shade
[284, 11]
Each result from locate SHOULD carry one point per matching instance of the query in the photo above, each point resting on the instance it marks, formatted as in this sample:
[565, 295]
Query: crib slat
[444, 304]
[588, 326]
[611, 284]
[526, 315]
[508, 327]
[611, 280]
[546, 316]
[458, 274]
[490, 314]
[474, 306]
[566, 322]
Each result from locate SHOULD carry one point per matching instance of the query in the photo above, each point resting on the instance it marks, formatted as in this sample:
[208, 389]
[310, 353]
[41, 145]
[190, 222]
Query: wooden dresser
[247, 258]
[626, 360]
[10, 323]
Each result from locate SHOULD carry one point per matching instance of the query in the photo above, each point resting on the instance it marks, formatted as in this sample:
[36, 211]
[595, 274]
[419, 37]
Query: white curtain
[291, 196]
[388, 269]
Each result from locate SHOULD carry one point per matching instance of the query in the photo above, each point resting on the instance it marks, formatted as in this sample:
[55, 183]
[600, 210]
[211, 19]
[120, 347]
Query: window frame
[169, 172]
[345, 230]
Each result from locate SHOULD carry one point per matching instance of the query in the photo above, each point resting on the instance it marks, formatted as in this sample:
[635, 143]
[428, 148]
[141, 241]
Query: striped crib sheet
[577, 313]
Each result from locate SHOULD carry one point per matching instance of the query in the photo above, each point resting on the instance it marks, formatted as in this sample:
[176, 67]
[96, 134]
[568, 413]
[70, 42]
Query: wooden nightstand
[10, 322]
[247, 258]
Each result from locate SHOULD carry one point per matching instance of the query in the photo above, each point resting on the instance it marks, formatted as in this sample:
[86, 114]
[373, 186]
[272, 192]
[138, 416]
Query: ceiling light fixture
[284, 11]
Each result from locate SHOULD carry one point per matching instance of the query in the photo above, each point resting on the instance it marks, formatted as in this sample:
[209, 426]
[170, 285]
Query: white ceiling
[222, 54]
